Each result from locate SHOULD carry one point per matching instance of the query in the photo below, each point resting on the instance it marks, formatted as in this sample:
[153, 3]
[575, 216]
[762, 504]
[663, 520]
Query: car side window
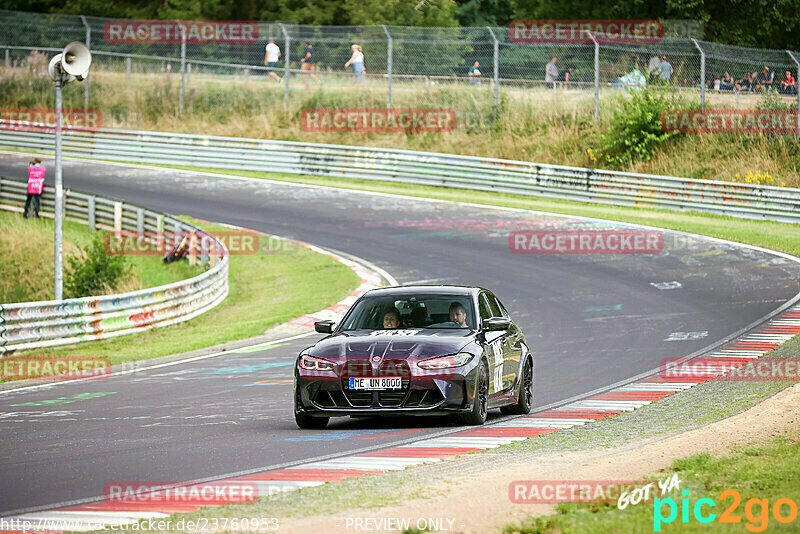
[483, 306]
[493, 306]
[503, 310]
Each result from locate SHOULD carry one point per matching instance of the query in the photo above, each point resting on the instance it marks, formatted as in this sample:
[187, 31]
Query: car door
[512, 342]
[495, 349]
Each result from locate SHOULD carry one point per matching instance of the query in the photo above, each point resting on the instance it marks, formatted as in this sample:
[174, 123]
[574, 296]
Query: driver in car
[391, 319]
[458, 314]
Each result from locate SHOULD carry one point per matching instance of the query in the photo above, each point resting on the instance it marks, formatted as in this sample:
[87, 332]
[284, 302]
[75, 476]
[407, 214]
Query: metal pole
[58, 277]
[797, 88]
[89, 46]
[183, 64]
[702, 76]
[286, 61]
[388, 66]
[496, 70]
[128, 68]
[8, 58]
[596, 75]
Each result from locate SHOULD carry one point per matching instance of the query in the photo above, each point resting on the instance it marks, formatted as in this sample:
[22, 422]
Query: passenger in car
[391, 319]
[458, 314]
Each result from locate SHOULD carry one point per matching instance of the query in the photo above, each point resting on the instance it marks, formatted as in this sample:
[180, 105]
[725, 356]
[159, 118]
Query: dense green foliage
[634, 131]
[754, 23]
[95, 273]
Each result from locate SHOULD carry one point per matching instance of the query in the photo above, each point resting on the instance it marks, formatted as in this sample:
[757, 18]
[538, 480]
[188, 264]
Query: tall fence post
[286, 67]
[796, 88]
[89, 46]
[389, 54]
[8, 58]
[596, 75]
[702, 75]
[183, 64]
[128, 68]
[496, 70]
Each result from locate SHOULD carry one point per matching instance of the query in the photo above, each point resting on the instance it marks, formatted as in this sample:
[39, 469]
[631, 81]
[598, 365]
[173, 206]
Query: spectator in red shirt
[788, 84]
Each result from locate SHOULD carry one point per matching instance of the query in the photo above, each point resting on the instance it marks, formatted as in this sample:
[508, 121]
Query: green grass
[783, 237]
[768, 471]
[266, 289]
[26, 259]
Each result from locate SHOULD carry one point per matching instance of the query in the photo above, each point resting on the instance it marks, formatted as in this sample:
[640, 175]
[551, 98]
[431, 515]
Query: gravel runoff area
[472, 490]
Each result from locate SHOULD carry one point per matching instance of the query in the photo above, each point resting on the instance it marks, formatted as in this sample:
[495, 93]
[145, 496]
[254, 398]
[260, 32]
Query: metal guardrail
[29, 325]
[426, 168]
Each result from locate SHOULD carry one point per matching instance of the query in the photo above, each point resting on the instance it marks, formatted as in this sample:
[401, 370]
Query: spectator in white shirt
[357, 61]
[551, 71]
[273, 53]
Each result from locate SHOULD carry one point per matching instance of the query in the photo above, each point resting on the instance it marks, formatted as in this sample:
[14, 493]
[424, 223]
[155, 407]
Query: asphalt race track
[592, 320]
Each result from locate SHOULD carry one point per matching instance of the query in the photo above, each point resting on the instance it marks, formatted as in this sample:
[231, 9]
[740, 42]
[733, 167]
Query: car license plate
[376, 383]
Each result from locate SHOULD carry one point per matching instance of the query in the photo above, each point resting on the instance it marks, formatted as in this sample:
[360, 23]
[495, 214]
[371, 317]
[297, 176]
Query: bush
[634, 132]
[96, 273]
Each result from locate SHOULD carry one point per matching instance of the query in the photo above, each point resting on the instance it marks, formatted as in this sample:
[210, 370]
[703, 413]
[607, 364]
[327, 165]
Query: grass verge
[26, 259]
[764, 473]
[266, 289]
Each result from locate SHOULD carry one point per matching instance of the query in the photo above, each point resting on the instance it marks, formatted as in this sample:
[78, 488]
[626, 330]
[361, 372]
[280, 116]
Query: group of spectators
[755, 82]
[307, 63]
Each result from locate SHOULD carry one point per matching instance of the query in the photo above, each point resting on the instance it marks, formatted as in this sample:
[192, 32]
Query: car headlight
[312, 363]
[446, 362]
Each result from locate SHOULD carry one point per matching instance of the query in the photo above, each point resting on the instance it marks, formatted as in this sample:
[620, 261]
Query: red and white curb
[626, 398]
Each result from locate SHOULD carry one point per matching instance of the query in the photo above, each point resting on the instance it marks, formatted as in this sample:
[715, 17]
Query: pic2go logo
[756, 511]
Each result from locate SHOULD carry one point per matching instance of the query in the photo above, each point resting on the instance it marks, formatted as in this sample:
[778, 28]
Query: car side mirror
[324, 327]
[496, 323]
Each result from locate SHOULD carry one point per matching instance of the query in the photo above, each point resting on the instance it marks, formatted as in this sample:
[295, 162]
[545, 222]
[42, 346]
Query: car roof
[424, 289]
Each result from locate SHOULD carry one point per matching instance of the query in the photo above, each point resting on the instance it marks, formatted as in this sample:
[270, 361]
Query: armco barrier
[28, 325]
[427, 168]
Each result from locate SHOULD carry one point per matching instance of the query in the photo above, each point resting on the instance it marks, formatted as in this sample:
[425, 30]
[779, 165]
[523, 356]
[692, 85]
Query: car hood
[419, 343]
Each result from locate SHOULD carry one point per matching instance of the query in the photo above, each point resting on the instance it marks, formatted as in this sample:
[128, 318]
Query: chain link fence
[403, 67]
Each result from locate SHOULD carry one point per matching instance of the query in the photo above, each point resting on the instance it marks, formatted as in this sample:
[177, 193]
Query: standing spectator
[474, 74]
[307, 63]
[271, 56]
[666, 69]
[788, 84]
[765, 79]
[551, 71]
[726, 83]
[35, 186]
[652, 68]
[357, 61]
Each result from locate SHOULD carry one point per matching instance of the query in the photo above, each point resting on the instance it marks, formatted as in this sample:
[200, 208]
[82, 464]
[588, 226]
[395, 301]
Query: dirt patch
[479, 502]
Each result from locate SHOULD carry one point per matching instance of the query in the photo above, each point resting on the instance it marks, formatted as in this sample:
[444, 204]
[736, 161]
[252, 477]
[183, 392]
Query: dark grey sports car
[416, 350]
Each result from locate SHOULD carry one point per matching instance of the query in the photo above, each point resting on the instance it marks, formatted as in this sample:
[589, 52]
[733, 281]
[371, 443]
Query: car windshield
[393, 312]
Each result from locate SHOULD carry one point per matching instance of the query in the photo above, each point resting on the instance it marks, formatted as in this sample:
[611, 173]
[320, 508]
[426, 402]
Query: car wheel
[480, 407]
[525, 400]
[306, 421]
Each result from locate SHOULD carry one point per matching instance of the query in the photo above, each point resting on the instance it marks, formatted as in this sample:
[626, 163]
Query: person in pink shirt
[35, 186]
